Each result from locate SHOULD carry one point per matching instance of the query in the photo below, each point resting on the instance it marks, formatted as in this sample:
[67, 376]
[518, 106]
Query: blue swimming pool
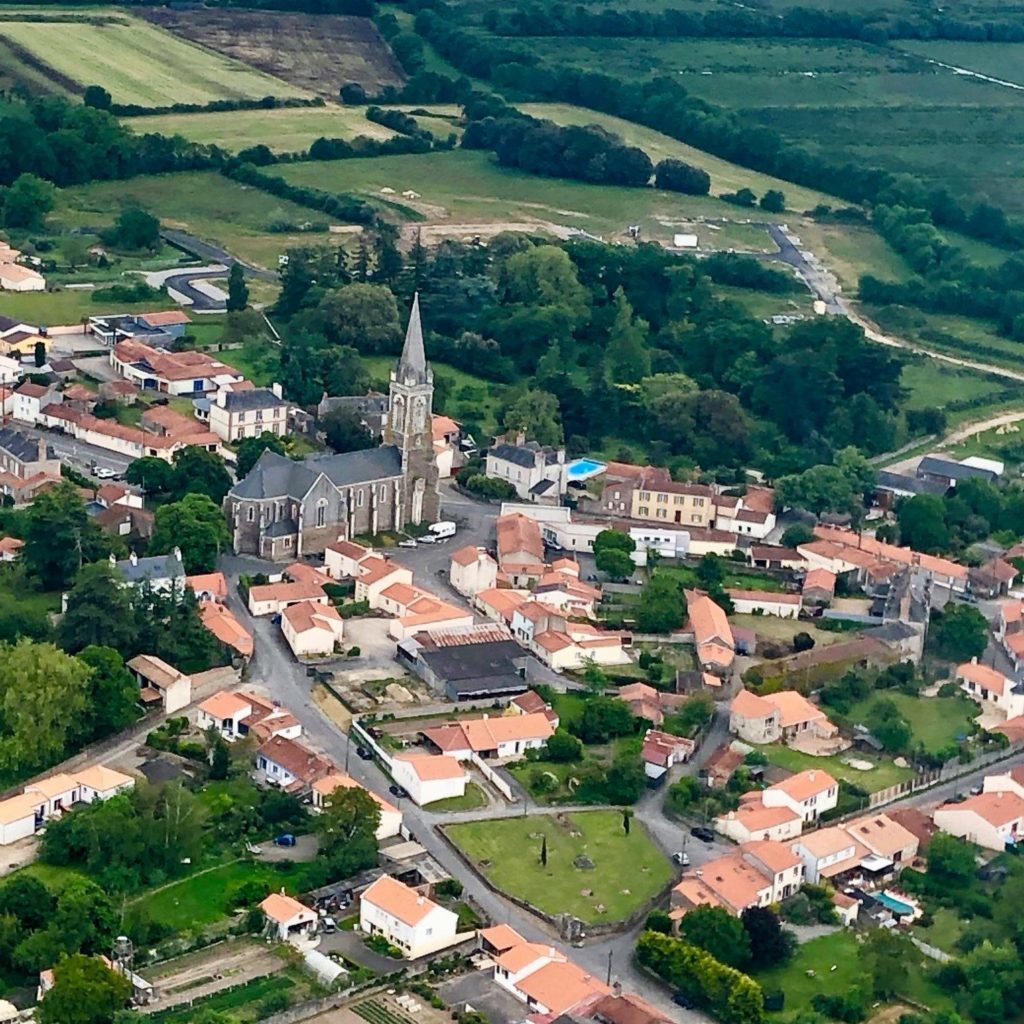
[897, 906]
[580, 469]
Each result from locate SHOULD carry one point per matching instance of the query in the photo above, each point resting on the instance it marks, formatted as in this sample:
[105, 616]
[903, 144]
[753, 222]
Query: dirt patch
[431, 234]
[320, 53]
[332, 707]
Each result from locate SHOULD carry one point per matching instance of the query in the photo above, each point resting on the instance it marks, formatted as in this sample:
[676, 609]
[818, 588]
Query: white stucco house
[429, 777]
[406, 918]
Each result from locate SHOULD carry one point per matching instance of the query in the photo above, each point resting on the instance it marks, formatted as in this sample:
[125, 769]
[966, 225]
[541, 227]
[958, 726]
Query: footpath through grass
[626, 871]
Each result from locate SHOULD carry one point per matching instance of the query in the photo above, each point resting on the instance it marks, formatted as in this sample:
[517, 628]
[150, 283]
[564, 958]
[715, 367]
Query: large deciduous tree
[197, 527]
[60, 537]
[85, 991]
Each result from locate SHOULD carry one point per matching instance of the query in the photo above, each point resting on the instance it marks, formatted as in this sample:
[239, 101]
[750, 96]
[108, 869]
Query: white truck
[440, 531]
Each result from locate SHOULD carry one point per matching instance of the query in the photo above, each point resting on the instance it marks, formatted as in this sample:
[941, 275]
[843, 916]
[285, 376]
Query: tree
[544, 851]
[662, 606]
[220, 756]
[134, 230]
[112, 695]
[888, 726]
[363, 316]
[238, 290]
[345, 432]
[536, 415]
[27, 899]
[710, 572]
[803, 641]
[720, 933]
[615, 562]
[922, 521]
[39, 354]
[603, 719]
[347, 829]
[626, 816]
[343, 371]
[951, 860]
[885, 954]
[96, 96]
[797, 534]
[153, 475]
[613, 540]
[693, 715]
[27, 201]
[197, 527]
[818, 489]
[198, 471]
[563, 748]
[958, 633]
[249, 450]
[626, 356]
[42, 698]
[678, 176]
[770, 943]
[98, 612]
[60, 537]
[75, 250]
[773, 201]
[709, 426]
[85, 991]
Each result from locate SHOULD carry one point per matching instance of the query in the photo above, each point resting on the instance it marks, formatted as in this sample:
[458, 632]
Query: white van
[442, 530]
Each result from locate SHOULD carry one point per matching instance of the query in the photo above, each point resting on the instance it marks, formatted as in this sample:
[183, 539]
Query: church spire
[413, 364]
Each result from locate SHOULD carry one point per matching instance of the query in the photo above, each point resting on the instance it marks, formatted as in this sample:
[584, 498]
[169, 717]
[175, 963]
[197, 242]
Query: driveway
[478, 990]
[351, 946]
[305, 849]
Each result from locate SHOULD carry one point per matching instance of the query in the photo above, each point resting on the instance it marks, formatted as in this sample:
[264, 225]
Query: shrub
[354, 651]
[451, 887]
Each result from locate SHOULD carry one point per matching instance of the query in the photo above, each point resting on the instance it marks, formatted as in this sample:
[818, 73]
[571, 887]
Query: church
[286, 509]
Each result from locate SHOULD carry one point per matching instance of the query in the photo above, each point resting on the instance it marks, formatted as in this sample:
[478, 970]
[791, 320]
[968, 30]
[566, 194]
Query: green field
[627, 869]
[1004, 61]
[138, 63]
[206, 203]
[285, 130]
[882, 776]
[930, 382]
[936, 721]
[468, 187]
[206, 896]
[725, 177]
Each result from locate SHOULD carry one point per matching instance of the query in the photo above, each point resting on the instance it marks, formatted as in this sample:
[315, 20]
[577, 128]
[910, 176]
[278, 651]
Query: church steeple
[408, 426]
[412, 366]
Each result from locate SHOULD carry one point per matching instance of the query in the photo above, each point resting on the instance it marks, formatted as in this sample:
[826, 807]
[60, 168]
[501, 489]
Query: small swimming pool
[582, 469]
[896, 905]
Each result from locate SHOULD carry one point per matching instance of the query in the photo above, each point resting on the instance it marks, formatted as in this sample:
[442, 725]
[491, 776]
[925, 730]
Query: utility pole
[608, 981]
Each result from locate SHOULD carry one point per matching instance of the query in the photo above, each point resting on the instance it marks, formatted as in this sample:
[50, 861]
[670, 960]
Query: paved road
[77, 453]
[214, 253]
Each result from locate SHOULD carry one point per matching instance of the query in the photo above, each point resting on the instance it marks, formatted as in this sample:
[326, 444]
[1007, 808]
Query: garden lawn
[473, 798]
[936, 721]
[569, 707]
[818, 955]
[205, 897]
[627, 871]
[140, 63]
[882, 776]
[944, 931]
[774, 628]
[738, 580]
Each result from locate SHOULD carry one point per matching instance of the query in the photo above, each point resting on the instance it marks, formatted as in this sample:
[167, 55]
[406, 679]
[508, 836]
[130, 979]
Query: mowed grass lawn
[936, 721]
[627, 869]
[139, 63]
[205, 203]
[206, 896]
[284, 130]
[468, 186]
[836, 966]
[883, 775]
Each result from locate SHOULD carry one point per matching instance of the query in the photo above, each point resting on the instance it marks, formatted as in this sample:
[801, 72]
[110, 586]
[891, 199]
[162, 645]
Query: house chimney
[177, 553]
[42, 448]
[134, 558]
[222, 398]
[113, 558]
[276, 389]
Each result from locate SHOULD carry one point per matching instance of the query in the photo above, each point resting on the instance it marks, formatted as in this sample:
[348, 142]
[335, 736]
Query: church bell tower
[409, 426]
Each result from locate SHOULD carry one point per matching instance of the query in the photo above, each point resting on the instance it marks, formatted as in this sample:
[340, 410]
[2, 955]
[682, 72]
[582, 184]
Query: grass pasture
[883, 775]
[314, 53]
[936, 722]
[627, 870]
[206, 203]
[467, 188]
[725, 176]
[137, 62]
[284, 130]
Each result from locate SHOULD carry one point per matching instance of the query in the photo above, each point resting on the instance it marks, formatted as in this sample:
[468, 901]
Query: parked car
[364, 753]
[102, 473]
[976, 790]
[427, 538]
[683, 1000]
[409, 542]
[703, 833]
[682, 859]
[285, 840]
[328, 925]
[395, 790]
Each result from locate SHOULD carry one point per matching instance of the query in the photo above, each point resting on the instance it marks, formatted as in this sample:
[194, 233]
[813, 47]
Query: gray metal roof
[282, 528]
[519, 456]
[21, 446]
[898, 483]
[157, 567]
[257, 398]
[937, 466]
[276, 476]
